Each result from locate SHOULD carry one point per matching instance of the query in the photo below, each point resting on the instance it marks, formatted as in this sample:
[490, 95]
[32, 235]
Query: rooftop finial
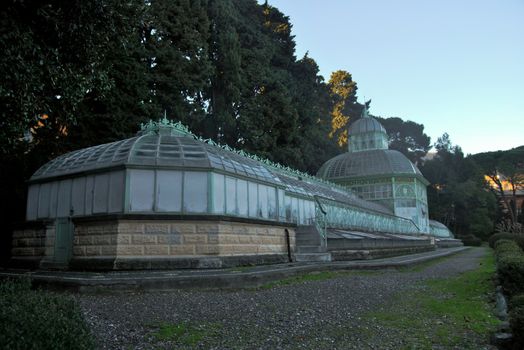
[365, 111]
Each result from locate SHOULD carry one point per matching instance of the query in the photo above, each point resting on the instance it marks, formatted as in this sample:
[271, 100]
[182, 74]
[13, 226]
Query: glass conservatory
[166, 198]
[378, 174]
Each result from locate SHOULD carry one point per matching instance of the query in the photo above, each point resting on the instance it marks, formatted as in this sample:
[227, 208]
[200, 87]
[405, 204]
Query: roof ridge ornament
[164, 126]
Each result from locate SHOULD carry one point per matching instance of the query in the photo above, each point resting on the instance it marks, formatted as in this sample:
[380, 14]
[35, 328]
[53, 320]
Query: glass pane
[294, 209]
[253, 199]
[218, 194]
[64, 198]
[300, 211]
[53, 199]
[32, 202]
[101, 193]
[281, 206]
[43, 200]
[78, 196]
[262, 201]
[116, 192]
[272, 202]
[242, 197]
[169, 190]
[231, 195]
[141, 190]
[287, 205]
[90, 182]
[195, 192]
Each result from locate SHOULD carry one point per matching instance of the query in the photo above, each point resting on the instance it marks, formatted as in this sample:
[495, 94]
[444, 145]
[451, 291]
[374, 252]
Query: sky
[456, 66]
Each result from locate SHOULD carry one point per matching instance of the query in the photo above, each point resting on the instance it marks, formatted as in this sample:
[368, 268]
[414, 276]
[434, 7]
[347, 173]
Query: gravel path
[310, 315]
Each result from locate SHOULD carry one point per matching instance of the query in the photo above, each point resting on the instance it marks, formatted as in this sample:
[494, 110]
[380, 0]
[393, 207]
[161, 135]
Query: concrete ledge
[173, 263]
[208, 279]
[347, 255]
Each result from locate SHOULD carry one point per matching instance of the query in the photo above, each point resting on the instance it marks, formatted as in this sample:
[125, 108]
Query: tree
[458, 196]
[505, 173]
[407, 137]
[226, 81]
[343, 92]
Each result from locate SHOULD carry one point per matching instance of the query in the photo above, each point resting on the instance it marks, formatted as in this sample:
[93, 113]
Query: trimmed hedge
[506, 246]
[510, 270]
[32, 319]
[510, 266]
[516, 322]
[506, 235]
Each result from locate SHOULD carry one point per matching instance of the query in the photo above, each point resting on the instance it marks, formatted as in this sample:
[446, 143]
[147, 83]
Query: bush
[506, 235]
[510, 268]
[39, 320]
[471, 240]
[506, 246]
[516, 322]
[516, 301]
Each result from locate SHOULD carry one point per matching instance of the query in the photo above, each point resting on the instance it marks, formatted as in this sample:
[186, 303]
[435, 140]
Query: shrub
[32, 319]
[517, 301]
[516, 322]
[506, 235]
[510, 268]
[506, 246]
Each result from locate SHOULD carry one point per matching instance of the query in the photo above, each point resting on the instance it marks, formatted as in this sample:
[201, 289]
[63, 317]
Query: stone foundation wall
[28, 247]
[130, 244]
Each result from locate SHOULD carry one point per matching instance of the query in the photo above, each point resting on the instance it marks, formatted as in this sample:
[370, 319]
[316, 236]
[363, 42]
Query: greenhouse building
[168, 199]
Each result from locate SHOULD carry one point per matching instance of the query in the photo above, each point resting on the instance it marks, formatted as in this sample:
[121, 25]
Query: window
[231, 195]
[141, 190]
[218, 195]
[169, 190]
[242, 201]
[195, 192]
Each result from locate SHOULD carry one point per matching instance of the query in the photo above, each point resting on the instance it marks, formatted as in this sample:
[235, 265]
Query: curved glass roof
[154, 150]
[365, 125]
[367, 163]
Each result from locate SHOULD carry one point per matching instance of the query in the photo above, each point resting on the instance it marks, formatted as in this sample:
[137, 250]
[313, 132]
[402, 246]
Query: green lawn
[451, 313]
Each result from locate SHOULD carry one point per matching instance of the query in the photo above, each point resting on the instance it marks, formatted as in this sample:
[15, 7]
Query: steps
[310, 247]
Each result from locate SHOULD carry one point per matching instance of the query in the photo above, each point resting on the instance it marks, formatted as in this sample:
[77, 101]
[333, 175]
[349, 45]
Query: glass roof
[311, 187]
[367, 163]
[365, 125]
[155, 150]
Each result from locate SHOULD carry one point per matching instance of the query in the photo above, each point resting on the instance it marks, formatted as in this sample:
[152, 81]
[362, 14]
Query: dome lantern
[367, 134]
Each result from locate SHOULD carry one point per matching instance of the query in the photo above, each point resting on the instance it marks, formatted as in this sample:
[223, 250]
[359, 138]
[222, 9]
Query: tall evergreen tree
[343, 92]
[226, 81]
[176, 38]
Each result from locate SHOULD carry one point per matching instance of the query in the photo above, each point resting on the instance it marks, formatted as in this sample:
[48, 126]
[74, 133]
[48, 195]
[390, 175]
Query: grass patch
[316, 276]
[424, 265]
[184, 333]
[36, 319]
[452, 312]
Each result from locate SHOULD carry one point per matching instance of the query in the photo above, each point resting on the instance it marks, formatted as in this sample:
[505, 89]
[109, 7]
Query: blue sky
[456, 66]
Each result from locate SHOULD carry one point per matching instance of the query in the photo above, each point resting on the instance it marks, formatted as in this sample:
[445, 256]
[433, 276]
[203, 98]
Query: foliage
[40, 320]
[516, 321]
[458, 196]
[510, 266]
[343, 92]
[505, 171]
[407, 137]
[493, 239]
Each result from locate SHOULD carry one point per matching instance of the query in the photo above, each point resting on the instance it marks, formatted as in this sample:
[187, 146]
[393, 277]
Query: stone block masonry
[130, 244]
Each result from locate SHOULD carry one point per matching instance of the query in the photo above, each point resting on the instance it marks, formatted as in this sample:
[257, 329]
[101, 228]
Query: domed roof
[365, 125]
[165, 146]
[367, 163]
